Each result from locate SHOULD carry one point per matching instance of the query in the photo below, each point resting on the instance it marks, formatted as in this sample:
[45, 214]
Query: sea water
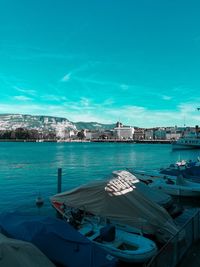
[30, 169]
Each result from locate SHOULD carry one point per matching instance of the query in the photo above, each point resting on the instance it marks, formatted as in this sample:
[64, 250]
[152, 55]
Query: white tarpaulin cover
[118, 199]
[155, 195]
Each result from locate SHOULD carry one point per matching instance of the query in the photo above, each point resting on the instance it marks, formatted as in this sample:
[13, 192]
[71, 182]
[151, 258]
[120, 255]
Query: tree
[81, 135]
[21, 133]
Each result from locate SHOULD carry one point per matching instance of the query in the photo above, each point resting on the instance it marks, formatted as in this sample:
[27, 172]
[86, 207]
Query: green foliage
[26, 134]
[81, 134]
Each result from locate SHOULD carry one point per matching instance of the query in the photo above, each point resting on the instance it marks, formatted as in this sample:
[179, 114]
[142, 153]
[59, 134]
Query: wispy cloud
[82, 105]
[66, 78]
[56, 98]
[81, 68]
[166, 97]
[22, 98]
[85, 102]
[25, 91]
[108, 102]
[143, 117]
[87, 110]
[124, 87]
[190, 108]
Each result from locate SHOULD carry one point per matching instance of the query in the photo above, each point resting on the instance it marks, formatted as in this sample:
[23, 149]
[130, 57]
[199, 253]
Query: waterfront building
[160, 134]
[123, 132]
[138, 134]
[174, 133]
[63, 133]
[107, 134]
[149, 134]
[88, 135]
[72, 133]
[92, 134]
[98, 134]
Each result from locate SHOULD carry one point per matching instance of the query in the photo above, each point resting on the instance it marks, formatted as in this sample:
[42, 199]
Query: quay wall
[93, 140]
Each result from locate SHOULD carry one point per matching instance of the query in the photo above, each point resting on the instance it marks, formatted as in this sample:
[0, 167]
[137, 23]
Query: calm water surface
[27, 169]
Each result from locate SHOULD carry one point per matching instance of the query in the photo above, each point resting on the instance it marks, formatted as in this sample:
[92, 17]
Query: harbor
[32, 167]
[34, 186]
[99, 133]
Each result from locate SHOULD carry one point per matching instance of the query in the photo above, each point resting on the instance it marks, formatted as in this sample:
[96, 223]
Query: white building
[123, 132]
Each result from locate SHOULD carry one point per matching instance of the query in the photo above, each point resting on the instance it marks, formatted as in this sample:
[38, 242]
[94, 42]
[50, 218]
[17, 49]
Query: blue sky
[137, 61]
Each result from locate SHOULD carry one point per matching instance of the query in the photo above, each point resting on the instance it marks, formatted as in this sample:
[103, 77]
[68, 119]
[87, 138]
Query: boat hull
[187, 142]
[159, 181]
[120, 248]
[145, 249]
[184, 146]
[178, 191]
[59, 241]
[189, 189]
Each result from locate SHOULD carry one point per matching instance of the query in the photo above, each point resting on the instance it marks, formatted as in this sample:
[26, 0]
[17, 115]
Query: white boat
[190, 141]
[119, 200]
[176, 186]
[157, 196]
[189, 169]
[125, 246]
[154, 195]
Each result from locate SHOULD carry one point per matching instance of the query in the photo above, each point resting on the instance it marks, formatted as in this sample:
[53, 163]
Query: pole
[59, 184]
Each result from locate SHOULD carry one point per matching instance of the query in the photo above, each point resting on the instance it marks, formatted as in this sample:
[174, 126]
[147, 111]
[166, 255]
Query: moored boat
[59, 241]
[161, 198]
[189, 141]
[18, 253]
[154, 195]
[118, 200]
[173, 185]
[188, 169]
[125, 246]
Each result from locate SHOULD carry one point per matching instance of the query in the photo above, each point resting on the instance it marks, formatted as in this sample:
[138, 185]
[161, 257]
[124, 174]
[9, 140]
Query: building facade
[123, 132]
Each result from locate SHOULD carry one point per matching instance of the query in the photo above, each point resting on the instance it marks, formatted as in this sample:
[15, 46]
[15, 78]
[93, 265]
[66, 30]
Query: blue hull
[59, 241]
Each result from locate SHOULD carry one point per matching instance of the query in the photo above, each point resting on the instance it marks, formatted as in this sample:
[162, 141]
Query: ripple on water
[29, 168]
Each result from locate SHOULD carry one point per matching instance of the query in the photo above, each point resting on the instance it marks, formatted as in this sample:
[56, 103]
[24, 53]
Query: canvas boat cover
[58, 240]
[17, 253]
[155, 195]
[119, 199]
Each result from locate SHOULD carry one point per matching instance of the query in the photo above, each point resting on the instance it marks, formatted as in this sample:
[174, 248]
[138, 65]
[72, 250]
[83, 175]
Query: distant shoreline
[90, 141]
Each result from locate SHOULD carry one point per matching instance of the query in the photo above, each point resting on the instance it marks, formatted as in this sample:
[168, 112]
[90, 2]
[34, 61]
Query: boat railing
[173, 251]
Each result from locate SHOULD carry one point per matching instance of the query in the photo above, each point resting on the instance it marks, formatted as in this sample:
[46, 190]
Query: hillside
[40, 123]
[93, 126]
